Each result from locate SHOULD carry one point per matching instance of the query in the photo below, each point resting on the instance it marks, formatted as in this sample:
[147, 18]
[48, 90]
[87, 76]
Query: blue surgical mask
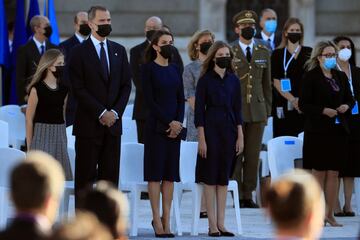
[329, 63]
[270, 26]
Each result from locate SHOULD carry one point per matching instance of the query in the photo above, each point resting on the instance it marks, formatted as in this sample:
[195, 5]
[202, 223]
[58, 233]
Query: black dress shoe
[162, 235]
[214, 234]
[226, 234]
[170, 235]
[248, 203]
[203, 215]
[144, 196]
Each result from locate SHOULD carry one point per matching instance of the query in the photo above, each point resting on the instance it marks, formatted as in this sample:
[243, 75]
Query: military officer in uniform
[252, 66]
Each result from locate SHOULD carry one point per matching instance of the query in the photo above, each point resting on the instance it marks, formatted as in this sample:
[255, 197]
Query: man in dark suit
[28, 55]
[268, 24]
[101, 78]
[82, 31]
[136, 59]
[36, 185]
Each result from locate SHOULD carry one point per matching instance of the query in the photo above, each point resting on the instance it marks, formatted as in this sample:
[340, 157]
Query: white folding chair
[4, 134]
[132, 181]
[69, 186]
[128, 111]
[357, 194]
[188, 156]
[9, 158]
[301, 136]
[16, 120]
[129, 131]
[282, 151]
[70, 137]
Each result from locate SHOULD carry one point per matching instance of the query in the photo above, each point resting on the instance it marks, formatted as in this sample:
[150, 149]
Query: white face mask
[344, 54]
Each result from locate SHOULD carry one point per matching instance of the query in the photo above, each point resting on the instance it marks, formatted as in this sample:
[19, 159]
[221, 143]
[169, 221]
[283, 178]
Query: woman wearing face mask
[218, 120]
[326, 101]
[346, 63]
[164, 94]
[45, 113]
[287, 69]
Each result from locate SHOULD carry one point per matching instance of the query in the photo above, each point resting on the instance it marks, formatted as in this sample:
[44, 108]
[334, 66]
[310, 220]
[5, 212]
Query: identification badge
[337, 121]
[355, 109]
[280, 112]
[285, 85]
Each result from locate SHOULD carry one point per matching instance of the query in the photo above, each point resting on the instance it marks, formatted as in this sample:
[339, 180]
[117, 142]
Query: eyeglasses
[329, 55]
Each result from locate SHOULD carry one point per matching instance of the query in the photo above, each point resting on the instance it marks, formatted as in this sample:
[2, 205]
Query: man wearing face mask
[101, 81]
[252, 66]
[268, 25]
[152, 24]
[82, 31]
[28, 55]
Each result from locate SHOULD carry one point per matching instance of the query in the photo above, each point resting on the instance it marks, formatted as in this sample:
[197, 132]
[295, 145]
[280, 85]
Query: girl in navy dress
[164, 94]
[218, 120]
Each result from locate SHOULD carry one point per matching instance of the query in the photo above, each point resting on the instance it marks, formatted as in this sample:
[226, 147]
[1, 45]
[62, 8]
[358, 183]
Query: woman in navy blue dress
[164, 94]
[218, 120]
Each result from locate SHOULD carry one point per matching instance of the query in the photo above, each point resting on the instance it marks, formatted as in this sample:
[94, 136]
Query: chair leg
[197, 191]
[357, 194]
[237, 209]
[134, 199]
[3, 206]
[176, 208]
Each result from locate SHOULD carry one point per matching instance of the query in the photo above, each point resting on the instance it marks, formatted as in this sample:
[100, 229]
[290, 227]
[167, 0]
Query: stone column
[212, 16]
[305, 11]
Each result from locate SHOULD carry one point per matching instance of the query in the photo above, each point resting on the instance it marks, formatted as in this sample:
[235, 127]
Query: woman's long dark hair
[352, 59]
[150, 53]
[209, 63]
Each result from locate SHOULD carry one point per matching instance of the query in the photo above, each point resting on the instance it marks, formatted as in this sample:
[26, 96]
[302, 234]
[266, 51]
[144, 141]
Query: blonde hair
[46, 61]
[287, 25]
[292, 197]
[313, 62]
[192, 51]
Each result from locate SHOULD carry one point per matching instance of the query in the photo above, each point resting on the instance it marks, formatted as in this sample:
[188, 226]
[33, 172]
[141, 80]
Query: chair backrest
[131, 163]
[129, 131]
[16, 120]
[128, 111]
[70, 137]
[71, 153]
[4, 134]
[282, 151]
[268, 131]
[9, 157]
[188, 156]
[301, 136]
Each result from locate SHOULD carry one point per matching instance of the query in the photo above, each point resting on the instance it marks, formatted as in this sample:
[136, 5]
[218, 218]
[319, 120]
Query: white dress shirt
[266, 38]
[244, 46]
[39, 44]
[80, 37]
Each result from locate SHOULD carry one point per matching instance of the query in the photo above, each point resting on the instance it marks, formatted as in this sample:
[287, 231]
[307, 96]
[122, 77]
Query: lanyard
[349, 78]
[286, 65]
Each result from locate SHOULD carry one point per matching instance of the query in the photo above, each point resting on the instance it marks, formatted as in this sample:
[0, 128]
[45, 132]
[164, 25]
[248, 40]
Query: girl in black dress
[218, 120]
[287, 64]
[164, 94]
[326, 101]
[346, 63]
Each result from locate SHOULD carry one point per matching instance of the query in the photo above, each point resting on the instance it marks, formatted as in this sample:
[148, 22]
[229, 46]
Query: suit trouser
[247, 164]
[140, 127]
[97, 158]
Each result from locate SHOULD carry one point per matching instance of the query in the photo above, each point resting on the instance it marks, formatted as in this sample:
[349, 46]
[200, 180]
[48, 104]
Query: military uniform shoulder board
[262, 46]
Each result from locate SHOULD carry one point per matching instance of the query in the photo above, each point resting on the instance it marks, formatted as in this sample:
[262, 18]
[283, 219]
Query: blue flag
[20, 38]
[51, 14]
[4, 40]
[33, 11]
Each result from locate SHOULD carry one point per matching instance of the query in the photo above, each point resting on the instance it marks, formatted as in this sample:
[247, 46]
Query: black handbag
[162, 129]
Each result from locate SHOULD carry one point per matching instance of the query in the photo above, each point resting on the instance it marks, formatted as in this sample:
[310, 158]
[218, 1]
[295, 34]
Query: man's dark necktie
[270, 44]
[248, 54]
[104, 63]
[42, 49]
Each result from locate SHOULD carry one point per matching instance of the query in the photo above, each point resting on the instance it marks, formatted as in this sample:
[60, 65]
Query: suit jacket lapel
[112, 58]
[35, 50]
[93, 56]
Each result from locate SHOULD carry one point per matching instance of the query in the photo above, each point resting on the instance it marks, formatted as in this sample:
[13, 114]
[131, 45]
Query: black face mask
[248, 33]
[166, 51]
[104, 30]
[223, 62]
[150, 34]
[48, 31]
[204, 47]
[294, 37]
[84, 30]
[59, 71]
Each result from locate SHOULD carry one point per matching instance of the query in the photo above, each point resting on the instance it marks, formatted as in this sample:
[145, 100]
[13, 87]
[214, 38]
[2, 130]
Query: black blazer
[66, 47]
[28, 56]
[94, 92]
[316, 94]
[136, 60]
[277, 38]
[22, 229]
